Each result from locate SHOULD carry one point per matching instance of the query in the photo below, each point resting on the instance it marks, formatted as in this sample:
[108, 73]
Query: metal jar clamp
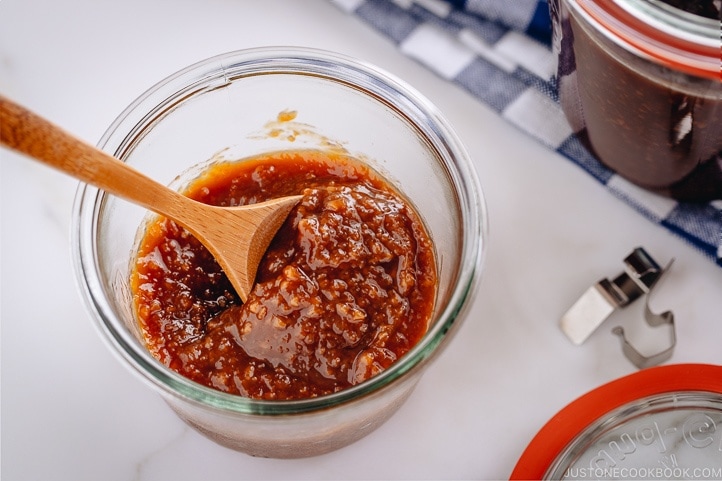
[641, 274]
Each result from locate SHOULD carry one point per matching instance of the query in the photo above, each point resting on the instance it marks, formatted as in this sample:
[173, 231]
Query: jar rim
[664, 34]
[303, 61]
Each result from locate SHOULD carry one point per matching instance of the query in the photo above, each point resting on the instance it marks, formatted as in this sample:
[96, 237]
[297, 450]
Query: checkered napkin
[499, 51]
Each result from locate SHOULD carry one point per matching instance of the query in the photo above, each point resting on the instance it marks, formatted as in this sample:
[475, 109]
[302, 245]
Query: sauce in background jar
[643, 79]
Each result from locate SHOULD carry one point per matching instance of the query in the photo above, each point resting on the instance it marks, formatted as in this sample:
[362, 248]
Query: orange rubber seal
[565, 426]
[676, 53]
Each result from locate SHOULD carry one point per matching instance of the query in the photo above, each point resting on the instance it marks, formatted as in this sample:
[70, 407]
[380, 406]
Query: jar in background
[640, 82]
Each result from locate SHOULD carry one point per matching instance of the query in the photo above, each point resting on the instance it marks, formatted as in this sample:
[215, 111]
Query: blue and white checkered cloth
[499, 51]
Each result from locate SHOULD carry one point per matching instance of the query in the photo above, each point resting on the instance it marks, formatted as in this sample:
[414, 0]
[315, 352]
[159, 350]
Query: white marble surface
[70, 410]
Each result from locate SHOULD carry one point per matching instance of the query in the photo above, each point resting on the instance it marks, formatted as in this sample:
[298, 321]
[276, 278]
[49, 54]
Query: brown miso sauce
[346, 288]
[658, 135]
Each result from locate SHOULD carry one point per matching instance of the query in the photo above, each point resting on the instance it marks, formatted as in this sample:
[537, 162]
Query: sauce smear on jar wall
[345, 289]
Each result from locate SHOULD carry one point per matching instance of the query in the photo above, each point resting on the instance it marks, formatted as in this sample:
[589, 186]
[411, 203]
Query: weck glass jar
[227, 107]
[640, 82]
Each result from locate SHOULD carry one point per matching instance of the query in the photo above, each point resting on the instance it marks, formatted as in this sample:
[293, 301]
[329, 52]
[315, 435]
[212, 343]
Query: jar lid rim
[564, 428]
[666, 35]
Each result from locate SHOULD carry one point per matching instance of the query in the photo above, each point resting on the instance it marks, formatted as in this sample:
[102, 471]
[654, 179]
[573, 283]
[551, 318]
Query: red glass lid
[659, 423]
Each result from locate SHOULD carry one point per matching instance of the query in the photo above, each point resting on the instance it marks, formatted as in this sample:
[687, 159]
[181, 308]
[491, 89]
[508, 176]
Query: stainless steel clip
[640, 275]
[653, 319]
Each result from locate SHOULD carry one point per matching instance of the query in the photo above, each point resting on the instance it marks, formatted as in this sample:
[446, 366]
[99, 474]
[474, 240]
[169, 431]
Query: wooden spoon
[236, 236]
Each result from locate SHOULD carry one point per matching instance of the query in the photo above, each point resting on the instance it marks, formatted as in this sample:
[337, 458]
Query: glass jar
[640, 82]
[226, 107]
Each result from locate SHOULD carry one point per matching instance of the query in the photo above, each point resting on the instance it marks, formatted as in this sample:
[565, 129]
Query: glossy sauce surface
[345, 289]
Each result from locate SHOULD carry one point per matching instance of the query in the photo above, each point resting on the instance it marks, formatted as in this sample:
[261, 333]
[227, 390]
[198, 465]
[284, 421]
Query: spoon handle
[30, 134]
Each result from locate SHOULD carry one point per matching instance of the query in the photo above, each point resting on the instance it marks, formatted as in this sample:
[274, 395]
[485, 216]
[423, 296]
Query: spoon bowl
[236, 236]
